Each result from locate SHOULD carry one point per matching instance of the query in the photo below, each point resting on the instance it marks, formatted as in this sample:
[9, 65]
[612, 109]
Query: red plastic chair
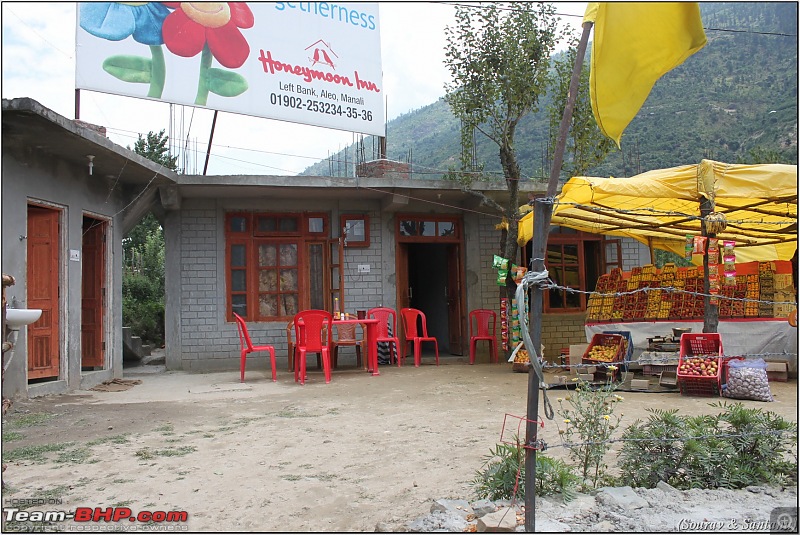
[410, 316]
[480, 321]
[248, 347]
[346, 336]
[385, 317]
[312, 335]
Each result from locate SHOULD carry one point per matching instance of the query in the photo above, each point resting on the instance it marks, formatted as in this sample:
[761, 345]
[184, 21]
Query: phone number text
[317, 106]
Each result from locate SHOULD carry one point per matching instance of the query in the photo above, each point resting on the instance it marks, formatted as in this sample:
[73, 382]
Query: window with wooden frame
[573, 260]
[355, 229]
[271, 264]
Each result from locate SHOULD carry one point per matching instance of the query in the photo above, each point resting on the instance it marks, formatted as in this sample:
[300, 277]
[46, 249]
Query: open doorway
[429, 278]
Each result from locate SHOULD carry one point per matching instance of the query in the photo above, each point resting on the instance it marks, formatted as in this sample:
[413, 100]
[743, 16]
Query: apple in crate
[700, 366]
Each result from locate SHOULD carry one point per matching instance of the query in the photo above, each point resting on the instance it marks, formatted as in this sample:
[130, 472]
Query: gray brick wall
[561, 330]
[202, 339]
[489, 246]
[634, 253]
[364, 290]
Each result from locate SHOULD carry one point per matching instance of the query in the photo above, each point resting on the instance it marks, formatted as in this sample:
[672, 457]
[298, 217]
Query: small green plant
[9, 436]
[115, 439]
[736, 448]
[146, 454]
[166, 429]
[554, 476]
[75, 455]
[31, 419]
[502, 476]
[589, 422]
[36, 453]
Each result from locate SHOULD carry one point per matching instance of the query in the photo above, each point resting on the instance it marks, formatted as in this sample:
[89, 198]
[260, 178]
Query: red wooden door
[455, 317]
[43, 268]
[93, 293]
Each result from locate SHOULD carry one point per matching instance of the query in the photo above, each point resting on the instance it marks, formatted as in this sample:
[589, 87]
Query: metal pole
[542, 212]
[541, 209]
[210, 138]
[77, 104]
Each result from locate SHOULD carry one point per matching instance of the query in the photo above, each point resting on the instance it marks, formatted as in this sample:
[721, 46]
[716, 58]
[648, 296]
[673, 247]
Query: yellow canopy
[659, 208]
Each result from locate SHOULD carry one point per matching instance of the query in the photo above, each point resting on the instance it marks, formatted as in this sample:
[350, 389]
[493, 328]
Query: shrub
[503, 475]
[737, 448]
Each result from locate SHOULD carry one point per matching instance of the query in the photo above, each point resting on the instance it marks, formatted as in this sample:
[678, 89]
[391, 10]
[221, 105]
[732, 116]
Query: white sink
[17, 317]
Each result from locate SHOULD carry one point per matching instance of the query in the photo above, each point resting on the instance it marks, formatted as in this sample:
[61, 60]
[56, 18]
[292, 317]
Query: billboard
[314, 63]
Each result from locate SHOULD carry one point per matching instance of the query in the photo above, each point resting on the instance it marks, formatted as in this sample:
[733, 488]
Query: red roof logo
[322, 54]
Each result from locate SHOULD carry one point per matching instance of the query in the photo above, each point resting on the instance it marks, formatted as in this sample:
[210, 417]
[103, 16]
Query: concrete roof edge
[29, 105]
[345, 182]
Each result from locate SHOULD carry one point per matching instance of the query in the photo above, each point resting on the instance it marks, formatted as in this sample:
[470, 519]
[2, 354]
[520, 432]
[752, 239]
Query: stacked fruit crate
[751, 306]
[739, 293]
[766, 289]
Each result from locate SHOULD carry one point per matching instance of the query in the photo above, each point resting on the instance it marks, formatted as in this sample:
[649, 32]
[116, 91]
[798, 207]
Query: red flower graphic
[193, 24]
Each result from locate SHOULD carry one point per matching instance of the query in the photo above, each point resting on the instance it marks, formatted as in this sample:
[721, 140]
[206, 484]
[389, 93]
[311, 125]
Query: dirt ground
[264, 456]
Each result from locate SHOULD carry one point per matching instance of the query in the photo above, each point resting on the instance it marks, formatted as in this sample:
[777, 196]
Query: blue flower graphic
[116, 21]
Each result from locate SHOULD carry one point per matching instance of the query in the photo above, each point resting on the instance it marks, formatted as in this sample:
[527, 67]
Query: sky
[38, 61]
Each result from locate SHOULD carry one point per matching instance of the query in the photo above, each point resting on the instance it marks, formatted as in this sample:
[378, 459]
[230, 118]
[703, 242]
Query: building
[262, 246]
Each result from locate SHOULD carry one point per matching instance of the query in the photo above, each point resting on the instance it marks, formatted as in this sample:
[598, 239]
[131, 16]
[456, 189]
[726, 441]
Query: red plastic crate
[614, 340]
[694, 345]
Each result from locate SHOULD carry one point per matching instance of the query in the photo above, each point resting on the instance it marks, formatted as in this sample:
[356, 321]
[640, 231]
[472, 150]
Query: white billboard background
[306, 64]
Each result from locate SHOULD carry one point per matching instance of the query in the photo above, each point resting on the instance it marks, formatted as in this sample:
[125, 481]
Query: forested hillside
[735, 100]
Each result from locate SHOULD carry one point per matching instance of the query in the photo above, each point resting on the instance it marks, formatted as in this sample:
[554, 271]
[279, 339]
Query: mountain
[734, 101]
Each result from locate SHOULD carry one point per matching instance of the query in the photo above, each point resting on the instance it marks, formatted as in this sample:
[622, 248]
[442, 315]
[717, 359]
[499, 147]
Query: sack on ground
[747, 379]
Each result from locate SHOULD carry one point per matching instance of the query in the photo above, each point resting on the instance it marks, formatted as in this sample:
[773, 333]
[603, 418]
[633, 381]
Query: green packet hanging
[502, 274]
[500, 262]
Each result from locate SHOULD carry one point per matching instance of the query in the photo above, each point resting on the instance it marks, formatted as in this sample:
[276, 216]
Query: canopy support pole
[710, 312]
[542, 213]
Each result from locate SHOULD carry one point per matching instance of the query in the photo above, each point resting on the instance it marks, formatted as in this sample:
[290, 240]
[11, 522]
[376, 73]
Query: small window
[447, 228]
[316, 224]
[238, 223]
[273, 224]
[355, 229]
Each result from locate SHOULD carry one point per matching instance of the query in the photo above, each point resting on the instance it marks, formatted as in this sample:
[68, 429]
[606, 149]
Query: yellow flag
[635, 43]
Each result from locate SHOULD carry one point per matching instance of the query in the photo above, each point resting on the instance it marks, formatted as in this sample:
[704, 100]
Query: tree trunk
[510, 249]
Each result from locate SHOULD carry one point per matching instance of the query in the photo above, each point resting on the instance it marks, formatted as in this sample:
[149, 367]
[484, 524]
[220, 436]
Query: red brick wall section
[384, 169]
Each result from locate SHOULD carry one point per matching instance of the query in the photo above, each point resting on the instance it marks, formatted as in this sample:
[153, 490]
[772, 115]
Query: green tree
[155, 147]
[586, 145]
[143, 256]
[498, 55]
[758, 155]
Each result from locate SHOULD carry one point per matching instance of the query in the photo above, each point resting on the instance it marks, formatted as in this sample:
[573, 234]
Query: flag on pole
[635, 43]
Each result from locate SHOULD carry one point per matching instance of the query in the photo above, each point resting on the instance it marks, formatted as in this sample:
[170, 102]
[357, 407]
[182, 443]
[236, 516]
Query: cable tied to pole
[529, 280]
